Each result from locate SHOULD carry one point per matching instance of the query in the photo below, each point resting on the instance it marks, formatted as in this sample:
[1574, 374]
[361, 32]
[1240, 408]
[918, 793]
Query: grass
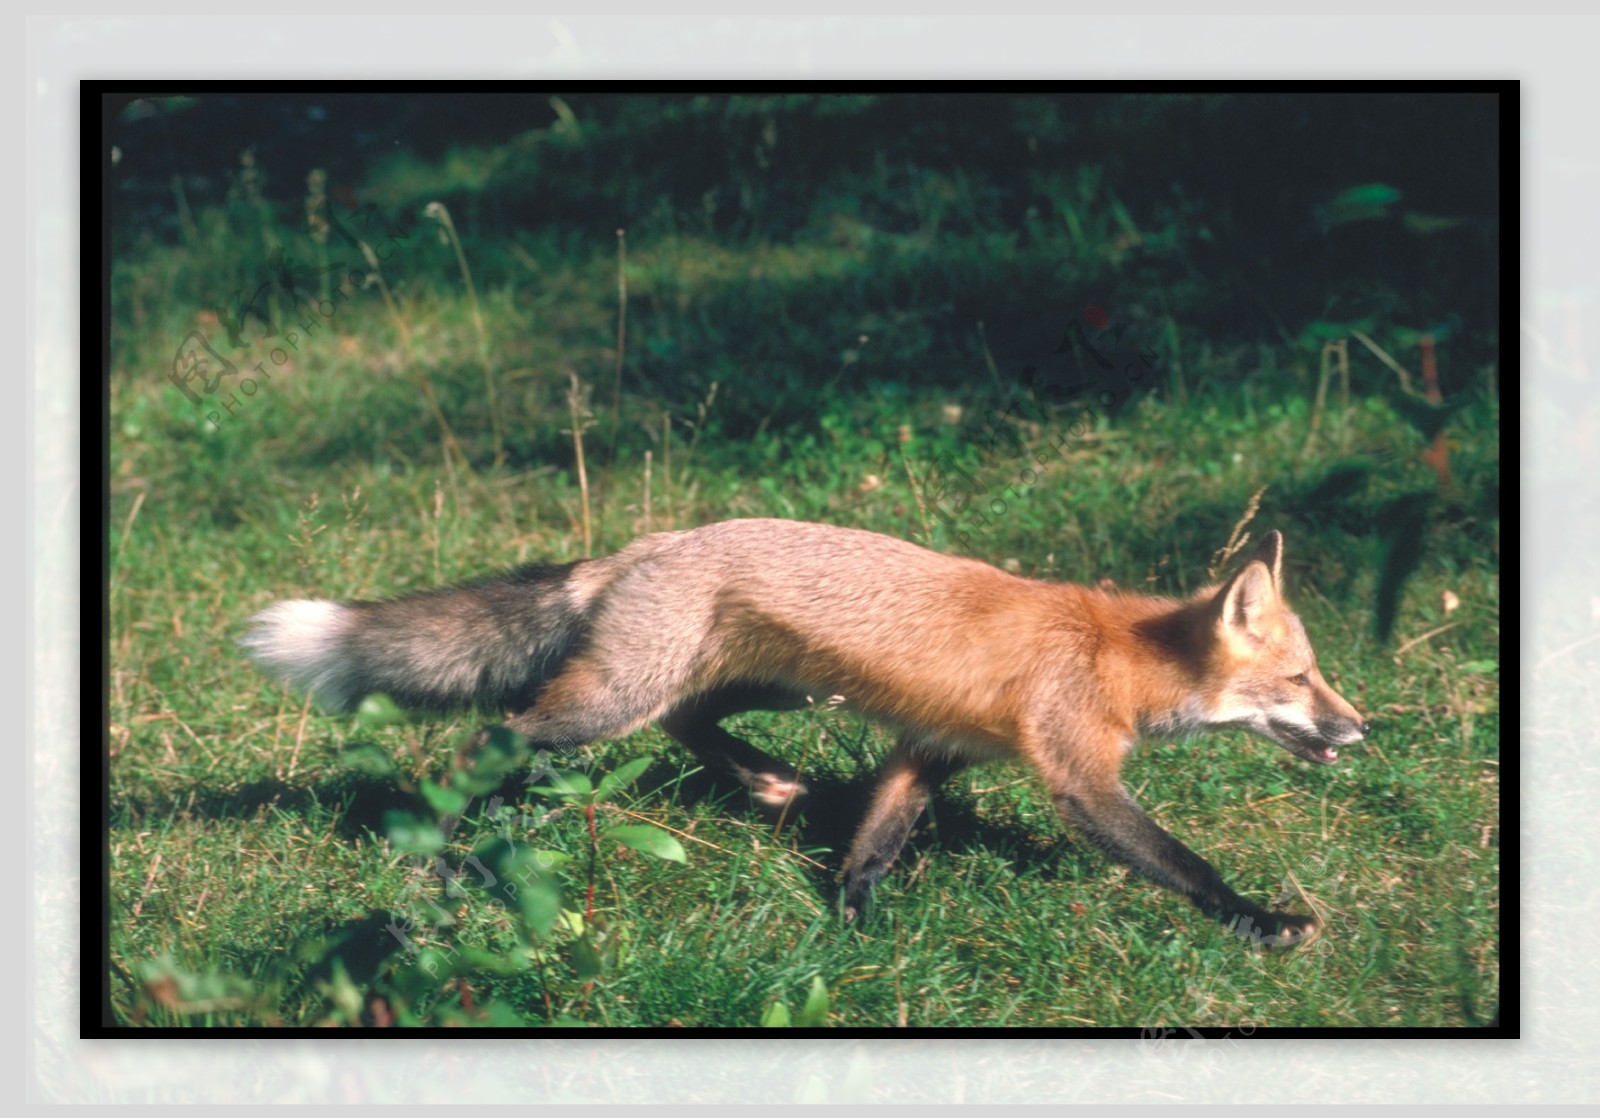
[238, 828]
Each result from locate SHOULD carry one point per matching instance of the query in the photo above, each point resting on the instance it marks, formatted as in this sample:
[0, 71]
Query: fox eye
[1301, 680]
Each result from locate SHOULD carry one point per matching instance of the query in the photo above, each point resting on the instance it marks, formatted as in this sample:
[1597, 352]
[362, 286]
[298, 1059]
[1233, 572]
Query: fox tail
[492, 643]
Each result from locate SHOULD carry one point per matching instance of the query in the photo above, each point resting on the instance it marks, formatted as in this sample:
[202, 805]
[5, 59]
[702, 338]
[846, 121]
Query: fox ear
[1245, 603]
[1255, 589]
[1270, 552]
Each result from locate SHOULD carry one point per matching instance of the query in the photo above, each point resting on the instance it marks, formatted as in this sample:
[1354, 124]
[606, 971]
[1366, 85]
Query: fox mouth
[1311, 747]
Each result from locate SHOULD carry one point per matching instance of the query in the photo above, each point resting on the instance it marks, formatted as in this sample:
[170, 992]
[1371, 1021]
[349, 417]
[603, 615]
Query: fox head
[1265, 668]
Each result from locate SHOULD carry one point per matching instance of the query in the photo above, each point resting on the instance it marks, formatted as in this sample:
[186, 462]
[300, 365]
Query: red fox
[968, 663]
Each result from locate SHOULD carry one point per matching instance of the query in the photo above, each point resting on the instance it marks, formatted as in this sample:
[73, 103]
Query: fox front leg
[1110, 817]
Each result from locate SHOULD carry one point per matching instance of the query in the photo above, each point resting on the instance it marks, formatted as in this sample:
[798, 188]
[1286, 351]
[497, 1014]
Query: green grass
[238, 831]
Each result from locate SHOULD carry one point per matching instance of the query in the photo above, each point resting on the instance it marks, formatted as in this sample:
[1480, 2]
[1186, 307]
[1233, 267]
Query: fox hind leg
[694, 724]
[581, 705]
[909, 775]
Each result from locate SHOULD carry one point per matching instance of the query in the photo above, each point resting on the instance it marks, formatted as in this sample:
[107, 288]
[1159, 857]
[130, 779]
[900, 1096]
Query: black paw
[857, 896]
[776, 791]
[1276, 930]
[1293, 930]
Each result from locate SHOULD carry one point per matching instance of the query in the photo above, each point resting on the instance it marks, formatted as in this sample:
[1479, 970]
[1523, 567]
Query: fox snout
[1317, 735]
[1316, 743]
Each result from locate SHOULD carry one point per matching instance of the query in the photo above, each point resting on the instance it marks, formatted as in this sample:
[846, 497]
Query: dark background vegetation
[834, 305]
[1219, 212]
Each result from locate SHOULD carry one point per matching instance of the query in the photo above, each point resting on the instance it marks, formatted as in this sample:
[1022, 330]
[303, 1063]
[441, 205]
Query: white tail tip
[301, 642]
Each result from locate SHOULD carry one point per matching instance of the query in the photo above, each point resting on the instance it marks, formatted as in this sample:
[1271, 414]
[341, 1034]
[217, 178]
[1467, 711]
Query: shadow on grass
[358, 802]
[825, 823]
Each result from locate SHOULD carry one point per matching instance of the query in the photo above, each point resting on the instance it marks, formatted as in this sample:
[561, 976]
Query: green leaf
[521, 884]
[585, 959]
[549, 860]
[411, 834]
[568, 784]
[367, 759]
[776, 1017]
[430, 969]
[538, 904]
[192, 993]
[339, 990]
[1368, 194]
[446, 802]
[493, 760]
[571, 922]
[424, 974]
[649, 839]
[1481, 668]
[815, 1011]
[621, 777]
[378, 710]
[614, 949]
[1358, 203]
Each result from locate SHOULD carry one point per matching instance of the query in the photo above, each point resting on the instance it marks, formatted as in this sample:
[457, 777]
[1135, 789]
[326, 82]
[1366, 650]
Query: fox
[967, 663]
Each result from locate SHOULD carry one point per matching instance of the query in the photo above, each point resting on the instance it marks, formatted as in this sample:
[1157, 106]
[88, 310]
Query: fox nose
[1365, 727]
